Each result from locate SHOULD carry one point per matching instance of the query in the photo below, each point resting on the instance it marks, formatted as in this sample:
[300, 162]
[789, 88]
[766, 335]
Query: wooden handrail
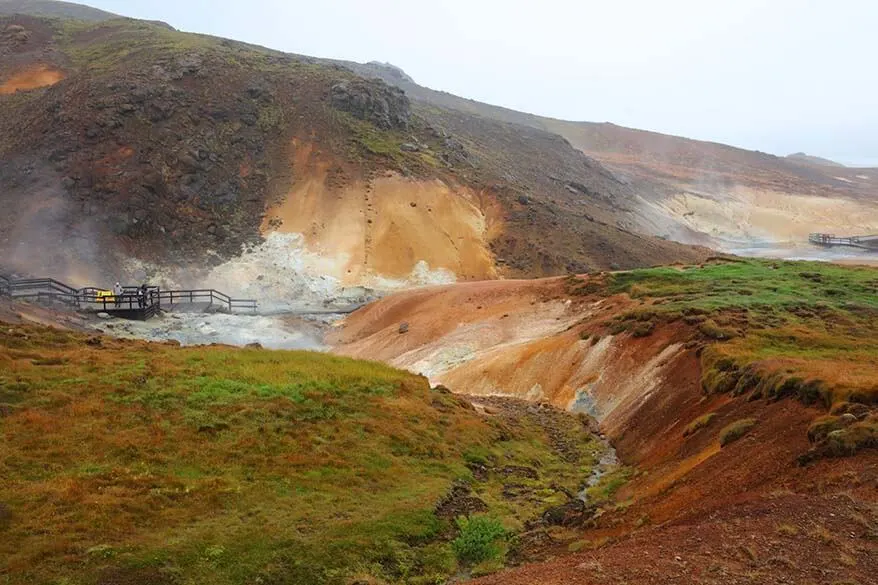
[50, 288]
[870, 241]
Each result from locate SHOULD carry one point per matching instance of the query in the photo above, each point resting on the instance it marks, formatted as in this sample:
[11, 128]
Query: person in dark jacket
[141, 296]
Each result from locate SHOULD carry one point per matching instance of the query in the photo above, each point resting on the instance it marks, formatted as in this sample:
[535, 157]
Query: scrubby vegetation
[148, 463]
[698, 424]
[768, 330]
[609, 484]
[480, 539]
[735, 431]
[772, 328]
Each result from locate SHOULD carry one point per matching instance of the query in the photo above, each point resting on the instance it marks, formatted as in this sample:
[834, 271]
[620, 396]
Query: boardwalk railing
[129, 303]
[868, 242]
[209, 296]
[40, 289]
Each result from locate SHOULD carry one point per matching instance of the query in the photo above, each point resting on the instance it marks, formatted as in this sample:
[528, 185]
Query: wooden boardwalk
[829, 240]
[128, 305]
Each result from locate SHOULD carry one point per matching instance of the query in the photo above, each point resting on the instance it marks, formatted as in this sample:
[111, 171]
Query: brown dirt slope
[134, 140]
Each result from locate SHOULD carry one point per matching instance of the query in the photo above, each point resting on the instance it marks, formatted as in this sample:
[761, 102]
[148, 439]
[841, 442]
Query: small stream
[608, 462]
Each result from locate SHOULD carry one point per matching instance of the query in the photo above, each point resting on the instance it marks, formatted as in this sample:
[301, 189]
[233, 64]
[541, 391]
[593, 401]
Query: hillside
[696, 191]
[801, 157]
[55, 8]
[130, 148]
[740, 396]
[151, 464]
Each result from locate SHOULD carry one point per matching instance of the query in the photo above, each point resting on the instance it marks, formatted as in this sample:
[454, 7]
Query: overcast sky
[773, 75]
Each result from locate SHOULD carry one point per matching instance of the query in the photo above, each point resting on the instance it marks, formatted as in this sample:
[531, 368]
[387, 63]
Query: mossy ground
[765, 329]
[225, 465]
[808, 320]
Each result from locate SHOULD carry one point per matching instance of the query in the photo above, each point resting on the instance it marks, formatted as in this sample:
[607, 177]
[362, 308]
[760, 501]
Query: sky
[778, 76]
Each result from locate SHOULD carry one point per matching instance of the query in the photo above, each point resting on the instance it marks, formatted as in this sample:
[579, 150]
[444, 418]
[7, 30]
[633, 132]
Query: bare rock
[374, 101]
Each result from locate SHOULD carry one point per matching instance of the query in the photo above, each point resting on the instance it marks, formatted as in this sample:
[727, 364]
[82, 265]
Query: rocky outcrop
[373, 101]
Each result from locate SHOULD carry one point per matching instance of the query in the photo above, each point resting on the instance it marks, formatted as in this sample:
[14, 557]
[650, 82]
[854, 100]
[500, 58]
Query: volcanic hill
[696, 191]
[129, 147]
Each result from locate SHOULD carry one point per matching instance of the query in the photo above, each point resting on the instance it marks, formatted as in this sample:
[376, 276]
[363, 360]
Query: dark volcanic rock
[374, 101]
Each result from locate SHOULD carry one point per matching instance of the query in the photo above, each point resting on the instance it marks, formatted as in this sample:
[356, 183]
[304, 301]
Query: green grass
[606, 488]
[725, 284]
[481, 539]
[241, 465]
[772, 328]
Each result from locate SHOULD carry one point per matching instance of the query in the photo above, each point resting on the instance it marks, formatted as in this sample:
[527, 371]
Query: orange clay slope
[703, 383]
[31, 78]
[383, 227]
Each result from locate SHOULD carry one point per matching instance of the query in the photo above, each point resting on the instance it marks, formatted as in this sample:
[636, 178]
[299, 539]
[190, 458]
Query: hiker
[141, 296]
[117, 294]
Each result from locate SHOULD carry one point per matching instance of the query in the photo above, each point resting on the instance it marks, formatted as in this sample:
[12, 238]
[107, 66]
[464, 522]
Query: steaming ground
[798, 251]
[298, 299]
[271, 331]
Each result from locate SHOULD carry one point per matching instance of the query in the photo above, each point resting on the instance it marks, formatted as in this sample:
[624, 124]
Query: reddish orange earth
[33, 78]
[693, 511]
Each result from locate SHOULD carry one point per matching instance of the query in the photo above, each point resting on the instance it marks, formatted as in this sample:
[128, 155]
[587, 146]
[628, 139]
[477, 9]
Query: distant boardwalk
[128, 305]
[829, 240]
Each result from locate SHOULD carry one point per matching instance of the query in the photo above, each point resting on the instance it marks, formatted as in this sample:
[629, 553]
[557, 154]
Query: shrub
[748, 381]
[712, 330]
[617, 328]
[699, 423]
[643, 329]
[822, 426]
[714, 381]
[858, 410]
[480, 539]
[861, 435]
[735, 431]
[589, 288]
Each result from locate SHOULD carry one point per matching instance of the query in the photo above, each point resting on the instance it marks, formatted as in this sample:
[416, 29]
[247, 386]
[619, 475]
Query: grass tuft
[735, 431]
[699, 423]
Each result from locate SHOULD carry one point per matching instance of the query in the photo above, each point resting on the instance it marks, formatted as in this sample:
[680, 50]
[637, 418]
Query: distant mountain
[812, 160]
[52, 8]
[693, 190]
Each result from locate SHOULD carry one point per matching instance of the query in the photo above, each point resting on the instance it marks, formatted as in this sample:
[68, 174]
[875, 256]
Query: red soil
[32, 78]
[694, 512]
